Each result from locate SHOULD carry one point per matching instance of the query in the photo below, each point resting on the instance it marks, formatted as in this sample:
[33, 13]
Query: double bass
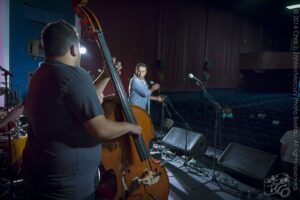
[128, 170]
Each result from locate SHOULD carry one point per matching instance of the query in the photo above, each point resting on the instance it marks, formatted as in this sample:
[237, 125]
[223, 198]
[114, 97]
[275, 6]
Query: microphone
[191, 76]
[151, 83]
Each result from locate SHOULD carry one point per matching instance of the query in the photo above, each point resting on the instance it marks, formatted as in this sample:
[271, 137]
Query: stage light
[82, 50]
[294, 6]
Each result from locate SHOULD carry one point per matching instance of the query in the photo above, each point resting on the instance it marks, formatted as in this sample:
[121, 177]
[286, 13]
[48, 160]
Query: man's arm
[104, 129]
[102, 80]
[157, 98]
[154, 87]
[84, 104]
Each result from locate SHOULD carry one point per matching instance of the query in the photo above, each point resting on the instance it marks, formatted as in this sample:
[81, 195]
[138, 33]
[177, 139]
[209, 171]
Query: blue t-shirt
[61, 159]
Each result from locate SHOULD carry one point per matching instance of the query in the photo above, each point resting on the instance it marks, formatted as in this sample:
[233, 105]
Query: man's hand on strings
[118, 67]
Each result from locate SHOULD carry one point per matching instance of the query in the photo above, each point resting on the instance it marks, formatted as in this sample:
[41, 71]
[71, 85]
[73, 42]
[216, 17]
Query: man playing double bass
[66, 121]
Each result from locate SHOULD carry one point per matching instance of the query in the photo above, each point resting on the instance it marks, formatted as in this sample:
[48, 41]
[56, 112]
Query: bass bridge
[148, 178]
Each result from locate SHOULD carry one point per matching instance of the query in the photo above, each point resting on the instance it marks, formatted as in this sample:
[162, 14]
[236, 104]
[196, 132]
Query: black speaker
[176, 139]
[248, 163]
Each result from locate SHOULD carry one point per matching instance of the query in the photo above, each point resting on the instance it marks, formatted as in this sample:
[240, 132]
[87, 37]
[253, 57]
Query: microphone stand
[187, 127]
[163, 107]
[162, 129]
[162, 119]
[217, 123]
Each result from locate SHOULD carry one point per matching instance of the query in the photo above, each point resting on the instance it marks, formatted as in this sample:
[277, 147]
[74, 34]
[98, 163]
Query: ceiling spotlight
[294, 6]
[82, 50]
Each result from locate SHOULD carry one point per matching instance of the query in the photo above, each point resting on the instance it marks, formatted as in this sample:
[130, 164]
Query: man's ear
[74, 50]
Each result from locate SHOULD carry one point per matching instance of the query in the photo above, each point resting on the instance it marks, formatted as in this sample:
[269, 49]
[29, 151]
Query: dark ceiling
[256, 7]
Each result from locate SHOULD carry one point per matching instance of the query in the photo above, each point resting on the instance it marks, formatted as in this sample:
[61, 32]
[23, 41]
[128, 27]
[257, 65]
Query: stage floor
[190, 179]
[193, 181]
